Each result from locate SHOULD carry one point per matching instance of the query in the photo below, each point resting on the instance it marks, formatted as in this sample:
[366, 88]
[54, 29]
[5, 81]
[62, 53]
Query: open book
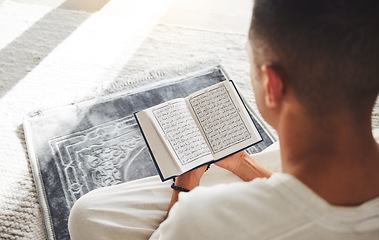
[206, 126]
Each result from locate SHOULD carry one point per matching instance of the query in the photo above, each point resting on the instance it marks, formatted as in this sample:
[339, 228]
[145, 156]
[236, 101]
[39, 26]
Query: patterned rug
[97, 143]
[54, 57]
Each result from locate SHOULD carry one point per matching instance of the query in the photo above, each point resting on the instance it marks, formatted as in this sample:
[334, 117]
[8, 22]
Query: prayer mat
[97, 143]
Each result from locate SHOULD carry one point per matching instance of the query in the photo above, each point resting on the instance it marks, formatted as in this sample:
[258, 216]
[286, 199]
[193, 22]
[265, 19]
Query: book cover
[200, 129]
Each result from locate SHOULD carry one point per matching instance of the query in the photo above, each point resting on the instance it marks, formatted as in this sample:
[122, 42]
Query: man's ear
[273, 86]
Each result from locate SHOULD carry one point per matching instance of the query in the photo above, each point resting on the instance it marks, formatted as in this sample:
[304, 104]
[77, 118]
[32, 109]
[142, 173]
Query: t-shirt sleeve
[222, 212]
[178, 224]
[203, 213]
[187, 218]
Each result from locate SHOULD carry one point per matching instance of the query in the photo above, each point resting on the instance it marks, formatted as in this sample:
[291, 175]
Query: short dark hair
[327, 50]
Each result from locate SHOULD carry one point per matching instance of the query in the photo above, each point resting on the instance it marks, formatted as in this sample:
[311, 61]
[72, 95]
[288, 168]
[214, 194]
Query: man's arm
[189, 180]
[245, 166]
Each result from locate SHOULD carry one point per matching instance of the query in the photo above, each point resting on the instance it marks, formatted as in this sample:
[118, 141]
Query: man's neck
[338, 160]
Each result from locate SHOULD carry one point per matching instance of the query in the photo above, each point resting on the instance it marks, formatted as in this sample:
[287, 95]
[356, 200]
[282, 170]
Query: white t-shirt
[280, 207]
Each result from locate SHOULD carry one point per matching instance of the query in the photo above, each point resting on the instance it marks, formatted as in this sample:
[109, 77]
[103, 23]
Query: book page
[222, 119]
[161, 154]
[181, 133]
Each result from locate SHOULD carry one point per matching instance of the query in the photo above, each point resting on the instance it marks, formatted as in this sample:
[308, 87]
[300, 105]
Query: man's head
[325, 51]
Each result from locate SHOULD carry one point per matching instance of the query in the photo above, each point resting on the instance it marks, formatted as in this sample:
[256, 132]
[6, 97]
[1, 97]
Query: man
[315, 78]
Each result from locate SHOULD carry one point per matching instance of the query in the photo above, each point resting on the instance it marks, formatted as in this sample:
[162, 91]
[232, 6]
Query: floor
[30, 66]
[218, 15]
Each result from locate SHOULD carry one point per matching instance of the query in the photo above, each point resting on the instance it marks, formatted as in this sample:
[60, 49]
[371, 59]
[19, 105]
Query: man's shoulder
[265, 207]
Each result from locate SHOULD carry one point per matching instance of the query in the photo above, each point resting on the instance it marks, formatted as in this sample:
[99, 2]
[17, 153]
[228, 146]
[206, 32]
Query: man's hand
[245, 166]
[233, 162]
